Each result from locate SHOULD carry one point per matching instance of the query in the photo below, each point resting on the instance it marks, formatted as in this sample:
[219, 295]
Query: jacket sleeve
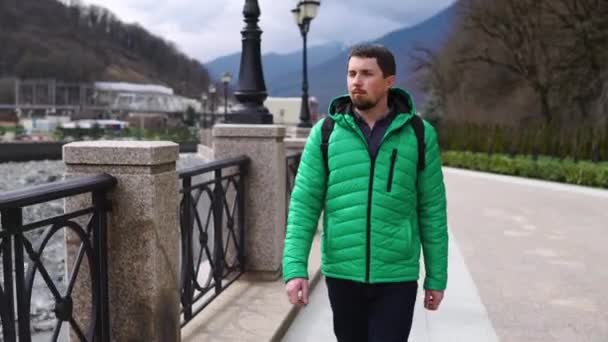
[432, 215]
[305, 207]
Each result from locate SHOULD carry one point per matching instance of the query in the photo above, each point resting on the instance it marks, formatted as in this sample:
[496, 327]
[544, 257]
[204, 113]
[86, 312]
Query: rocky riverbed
[20, 175]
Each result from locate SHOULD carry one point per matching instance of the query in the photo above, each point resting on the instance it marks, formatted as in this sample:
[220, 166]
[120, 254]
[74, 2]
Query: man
[380, 207]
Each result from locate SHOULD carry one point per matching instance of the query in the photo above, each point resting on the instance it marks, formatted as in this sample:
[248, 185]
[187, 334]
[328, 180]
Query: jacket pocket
[391, 171]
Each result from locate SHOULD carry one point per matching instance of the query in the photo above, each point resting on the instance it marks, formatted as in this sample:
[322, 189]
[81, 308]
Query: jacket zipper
[369, 217]
[369, 206]
[369, 200]
[391, 171]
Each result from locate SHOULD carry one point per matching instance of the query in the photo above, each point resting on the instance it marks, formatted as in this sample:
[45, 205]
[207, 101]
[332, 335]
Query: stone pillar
[301, 132]
[296, 139]
[205, 148]
[205, 152]
[143, 234]
[294, 144]
[206, 137]
[265, 190]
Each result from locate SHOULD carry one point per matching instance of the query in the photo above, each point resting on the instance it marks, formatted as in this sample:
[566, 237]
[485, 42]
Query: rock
[47, 325]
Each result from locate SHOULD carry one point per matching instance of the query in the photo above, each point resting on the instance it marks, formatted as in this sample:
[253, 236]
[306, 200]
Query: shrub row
[580, 141]
[546, 168]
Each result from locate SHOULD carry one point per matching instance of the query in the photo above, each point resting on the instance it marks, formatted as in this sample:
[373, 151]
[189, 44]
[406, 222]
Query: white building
[286, 110]
[48, 124]
[102, 124]
[142, 97]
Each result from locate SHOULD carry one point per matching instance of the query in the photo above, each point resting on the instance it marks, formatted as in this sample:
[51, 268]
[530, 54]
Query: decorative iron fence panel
[212, 224]
[24, 260]
[292, 163]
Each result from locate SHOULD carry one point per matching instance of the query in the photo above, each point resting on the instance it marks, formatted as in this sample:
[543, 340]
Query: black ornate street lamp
[212, 92]
[303, 15]
[251, 91]
[204, 98]
[226, 78]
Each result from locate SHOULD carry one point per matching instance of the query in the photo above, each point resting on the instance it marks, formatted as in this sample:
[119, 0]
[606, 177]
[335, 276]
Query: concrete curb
[251, 309]
[291, 315]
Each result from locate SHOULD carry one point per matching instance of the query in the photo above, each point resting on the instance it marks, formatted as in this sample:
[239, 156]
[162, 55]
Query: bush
[546, 168]
[15, 129]
[579, 140]
[177, 135]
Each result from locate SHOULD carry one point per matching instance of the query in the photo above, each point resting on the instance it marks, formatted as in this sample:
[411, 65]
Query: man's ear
[390, 81]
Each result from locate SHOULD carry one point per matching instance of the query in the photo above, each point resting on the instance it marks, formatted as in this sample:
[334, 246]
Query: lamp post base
[250, 113]
[304, 125]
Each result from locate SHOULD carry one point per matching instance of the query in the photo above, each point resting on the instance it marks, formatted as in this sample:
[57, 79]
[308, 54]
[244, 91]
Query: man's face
[366, 83]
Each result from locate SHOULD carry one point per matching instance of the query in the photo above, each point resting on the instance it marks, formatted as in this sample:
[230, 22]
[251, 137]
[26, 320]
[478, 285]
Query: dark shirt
[374, 136]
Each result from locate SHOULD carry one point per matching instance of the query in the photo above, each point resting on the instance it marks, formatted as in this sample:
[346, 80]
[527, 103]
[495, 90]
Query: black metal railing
[24, 253]
[212, 223]
[292, 164]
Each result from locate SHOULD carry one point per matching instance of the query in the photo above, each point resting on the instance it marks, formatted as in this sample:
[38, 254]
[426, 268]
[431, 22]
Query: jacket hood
[399, 100]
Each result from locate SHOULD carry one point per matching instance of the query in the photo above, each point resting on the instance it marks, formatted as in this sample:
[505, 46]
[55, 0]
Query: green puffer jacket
[373, 225]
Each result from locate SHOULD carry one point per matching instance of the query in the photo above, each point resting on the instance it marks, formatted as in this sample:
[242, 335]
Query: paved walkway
[462, 317]
[535, 269]
[537, 252]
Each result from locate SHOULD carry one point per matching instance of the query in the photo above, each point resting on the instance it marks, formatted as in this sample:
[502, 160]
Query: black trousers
[372, 312]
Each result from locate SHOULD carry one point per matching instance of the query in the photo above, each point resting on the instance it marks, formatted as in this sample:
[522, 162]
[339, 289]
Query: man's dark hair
[383, 56]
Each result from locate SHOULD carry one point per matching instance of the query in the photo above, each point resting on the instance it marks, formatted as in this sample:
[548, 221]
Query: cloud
[207, 29]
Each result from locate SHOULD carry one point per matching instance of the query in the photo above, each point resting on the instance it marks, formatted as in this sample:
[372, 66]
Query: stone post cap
[114, 152]
[249, 131]
[295, 143]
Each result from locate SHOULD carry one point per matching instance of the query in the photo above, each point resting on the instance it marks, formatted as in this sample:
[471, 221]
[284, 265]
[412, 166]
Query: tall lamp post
[226, 78]
[204, 98]
[251, 91]
[303, 15]
[212, 92]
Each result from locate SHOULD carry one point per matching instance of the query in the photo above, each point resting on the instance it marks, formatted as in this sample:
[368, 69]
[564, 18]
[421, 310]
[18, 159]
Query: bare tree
[433, 80]
[514, 36]
[427, 62]
[583, 28]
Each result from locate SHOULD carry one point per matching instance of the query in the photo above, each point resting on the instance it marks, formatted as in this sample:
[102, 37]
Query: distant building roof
[276, 99]
[135, 88]
[88, 124]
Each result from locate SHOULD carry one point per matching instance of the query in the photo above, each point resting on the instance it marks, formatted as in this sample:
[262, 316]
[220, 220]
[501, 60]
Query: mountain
[48, 39]
[328, 79]
[274, 64]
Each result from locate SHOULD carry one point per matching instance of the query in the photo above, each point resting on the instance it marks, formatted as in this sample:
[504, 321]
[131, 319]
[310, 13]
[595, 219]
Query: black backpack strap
[326, 129]
[418, 126]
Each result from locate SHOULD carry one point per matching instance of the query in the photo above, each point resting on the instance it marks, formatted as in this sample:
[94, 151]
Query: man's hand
[432, 299]
[297, 291]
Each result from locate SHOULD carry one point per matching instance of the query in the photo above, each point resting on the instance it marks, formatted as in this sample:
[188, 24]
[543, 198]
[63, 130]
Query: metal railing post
[7, 263]
[100, 244]
[23, 310]
[218, 245]
[241, 209]
[186, 230]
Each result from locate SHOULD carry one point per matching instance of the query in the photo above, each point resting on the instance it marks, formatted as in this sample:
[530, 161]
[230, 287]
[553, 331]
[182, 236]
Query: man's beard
[364, 104]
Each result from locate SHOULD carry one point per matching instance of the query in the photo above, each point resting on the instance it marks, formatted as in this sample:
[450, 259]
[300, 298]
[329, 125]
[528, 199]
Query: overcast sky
[207, 29]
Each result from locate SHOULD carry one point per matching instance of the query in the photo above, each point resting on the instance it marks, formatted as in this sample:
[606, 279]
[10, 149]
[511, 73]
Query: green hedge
[552, 169]
[177, 134]
[15, 129]
[578, 140]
